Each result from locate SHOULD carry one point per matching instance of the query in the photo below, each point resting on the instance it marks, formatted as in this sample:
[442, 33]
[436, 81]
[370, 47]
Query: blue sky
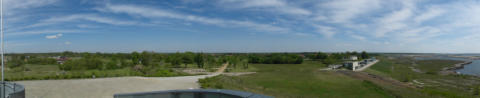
[433, 26]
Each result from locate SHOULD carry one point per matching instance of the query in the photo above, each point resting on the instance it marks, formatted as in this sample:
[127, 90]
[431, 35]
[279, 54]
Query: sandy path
[106, 87]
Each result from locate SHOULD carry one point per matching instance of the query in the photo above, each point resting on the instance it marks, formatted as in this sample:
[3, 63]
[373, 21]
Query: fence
[12, 90]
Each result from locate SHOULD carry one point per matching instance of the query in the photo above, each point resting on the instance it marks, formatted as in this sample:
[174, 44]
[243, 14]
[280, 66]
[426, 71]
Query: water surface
[470, 69]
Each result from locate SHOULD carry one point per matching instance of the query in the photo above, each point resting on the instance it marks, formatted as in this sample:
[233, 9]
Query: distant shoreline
[453, 70]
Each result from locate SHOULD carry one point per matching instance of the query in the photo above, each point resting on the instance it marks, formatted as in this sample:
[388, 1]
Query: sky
[413, 26]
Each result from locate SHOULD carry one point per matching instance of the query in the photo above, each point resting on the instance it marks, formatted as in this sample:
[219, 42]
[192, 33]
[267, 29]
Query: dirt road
[106, 87]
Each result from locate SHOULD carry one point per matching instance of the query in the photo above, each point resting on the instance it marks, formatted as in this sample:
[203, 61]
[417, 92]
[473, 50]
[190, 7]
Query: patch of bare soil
[196, 71]
[238, 73]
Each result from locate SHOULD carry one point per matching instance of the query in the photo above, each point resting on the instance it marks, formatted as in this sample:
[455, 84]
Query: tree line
[106, 61]
[335, 58]
[275, 58]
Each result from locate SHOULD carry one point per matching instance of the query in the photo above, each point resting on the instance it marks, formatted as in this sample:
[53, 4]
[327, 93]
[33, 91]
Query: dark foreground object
[12, 90]
[195, 93]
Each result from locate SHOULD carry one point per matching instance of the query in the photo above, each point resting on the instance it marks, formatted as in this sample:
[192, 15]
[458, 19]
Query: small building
[352, 58]
[61, 59]
[352, 65]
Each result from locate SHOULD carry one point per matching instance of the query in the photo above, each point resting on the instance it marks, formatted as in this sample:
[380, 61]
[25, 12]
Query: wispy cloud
[67, 43]
[403, 25]
[358, 37]
[280, 6]
[14, 6]
[429, 14]
[392, 22]
[55, 20]
[343, 11]
[327, 31]
[155, 13]
[56, 36]
[88, 17]
[36, 32]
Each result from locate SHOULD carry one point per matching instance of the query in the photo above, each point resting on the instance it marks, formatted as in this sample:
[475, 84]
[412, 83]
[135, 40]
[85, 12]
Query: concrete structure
[352, 65]
[355, 65]
[367, 64]
[352, 58]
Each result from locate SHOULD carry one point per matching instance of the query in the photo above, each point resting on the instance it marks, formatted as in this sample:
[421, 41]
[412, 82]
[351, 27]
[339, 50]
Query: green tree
[188, 58]
[15, 63]
[112, 64]
[125, 63]
[328, 61]
[175, 59]
[364, 55]
[67, 53]
[354, 53]
[321, 55]
[210, 61]
[252, 58]
[199, 59]
[146, 58]
[135, 56]
[92, 63]
[244, 62]
[233, 60]
[42, 61]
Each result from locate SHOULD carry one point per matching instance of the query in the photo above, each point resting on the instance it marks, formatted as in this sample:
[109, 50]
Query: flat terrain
[309, 81]
[104, 87]
[107, 87]
[392, 76]
[424, 74]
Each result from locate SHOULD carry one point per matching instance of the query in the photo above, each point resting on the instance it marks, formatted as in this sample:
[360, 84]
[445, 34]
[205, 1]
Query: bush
[42, 61]
[82, 64]
[15, 63]
[431, 73]
[210, 82]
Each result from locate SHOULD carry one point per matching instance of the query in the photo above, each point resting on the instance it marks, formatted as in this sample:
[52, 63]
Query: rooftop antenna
[3, 49]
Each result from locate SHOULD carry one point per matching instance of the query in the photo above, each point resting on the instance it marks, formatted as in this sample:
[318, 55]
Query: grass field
[303, 80]
[306, 80]
[431, 83]
[45, 72]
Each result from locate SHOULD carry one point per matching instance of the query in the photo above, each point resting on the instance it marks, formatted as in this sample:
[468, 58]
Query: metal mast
[3, 48]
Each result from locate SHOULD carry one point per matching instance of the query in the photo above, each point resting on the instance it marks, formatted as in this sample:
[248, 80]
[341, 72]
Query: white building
[352, 58]
[353, 65]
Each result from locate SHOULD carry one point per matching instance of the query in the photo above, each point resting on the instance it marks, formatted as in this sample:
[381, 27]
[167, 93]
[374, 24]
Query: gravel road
[106, 87]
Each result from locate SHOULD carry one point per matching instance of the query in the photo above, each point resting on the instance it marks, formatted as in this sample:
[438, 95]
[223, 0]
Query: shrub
[42, 61]
[431, 73]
